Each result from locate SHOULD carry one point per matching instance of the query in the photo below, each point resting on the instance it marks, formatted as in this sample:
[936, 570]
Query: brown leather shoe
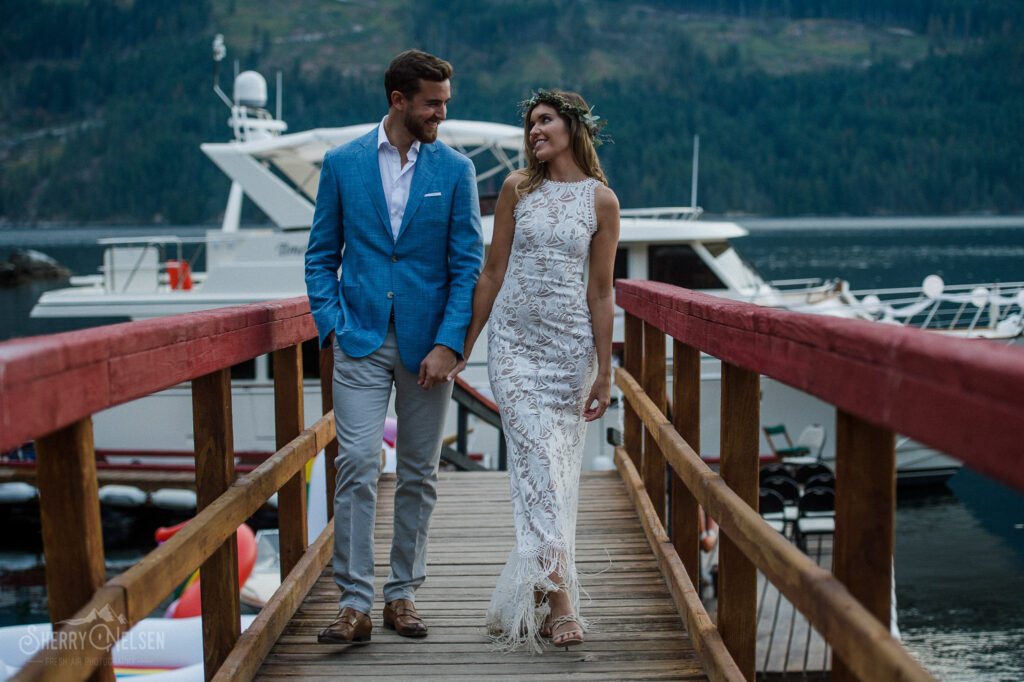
[350, 626]
[400, 615]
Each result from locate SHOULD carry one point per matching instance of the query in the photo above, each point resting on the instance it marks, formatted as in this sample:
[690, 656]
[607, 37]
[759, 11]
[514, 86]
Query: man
[398, 212]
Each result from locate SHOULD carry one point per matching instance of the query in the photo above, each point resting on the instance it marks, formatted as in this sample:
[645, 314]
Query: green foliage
[105, 102]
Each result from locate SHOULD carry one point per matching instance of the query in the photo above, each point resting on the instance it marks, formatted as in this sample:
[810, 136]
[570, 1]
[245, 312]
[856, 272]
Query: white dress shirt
[396, 179]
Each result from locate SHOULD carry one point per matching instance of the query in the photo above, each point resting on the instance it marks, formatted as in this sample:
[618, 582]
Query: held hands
[438, 367]
[459, 366]
[601, 393]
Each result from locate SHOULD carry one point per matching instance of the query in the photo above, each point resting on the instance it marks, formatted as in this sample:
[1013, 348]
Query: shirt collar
[383, 141]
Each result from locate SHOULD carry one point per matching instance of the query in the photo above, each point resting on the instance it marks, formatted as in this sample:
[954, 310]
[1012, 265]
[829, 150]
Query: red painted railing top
[963, 397]
[48, 382]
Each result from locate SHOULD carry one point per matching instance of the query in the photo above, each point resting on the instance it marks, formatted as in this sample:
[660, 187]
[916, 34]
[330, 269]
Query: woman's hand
[601, 394]
[459, 366]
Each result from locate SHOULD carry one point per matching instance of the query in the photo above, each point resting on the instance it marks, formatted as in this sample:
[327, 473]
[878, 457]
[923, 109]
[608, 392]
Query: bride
[549, 356]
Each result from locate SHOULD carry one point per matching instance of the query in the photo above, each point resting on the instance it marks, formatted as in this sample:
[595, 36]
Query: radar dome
[250, 89]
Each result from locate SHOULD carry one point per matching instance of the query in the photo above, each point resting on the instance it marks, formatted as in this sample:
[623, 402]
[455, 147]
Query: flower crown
[592, 123]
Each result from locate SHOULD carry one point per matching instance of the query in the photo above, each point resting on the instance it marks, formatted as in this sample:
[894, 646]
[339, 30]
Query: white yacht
[156, 276]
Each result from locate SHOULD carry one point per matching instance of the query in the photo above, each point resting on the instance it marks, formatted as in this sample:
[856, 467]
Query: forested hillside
[827, 107]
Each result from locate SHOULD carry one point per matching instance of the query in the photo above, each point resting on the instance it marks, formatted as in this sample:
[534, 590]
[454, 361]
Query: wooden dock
[882, 380]
[787, 645]
[636, 631]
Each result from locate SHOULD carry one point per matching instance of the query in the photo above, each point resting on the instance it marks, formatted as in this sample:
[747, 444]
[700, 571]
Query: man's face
[423, 113]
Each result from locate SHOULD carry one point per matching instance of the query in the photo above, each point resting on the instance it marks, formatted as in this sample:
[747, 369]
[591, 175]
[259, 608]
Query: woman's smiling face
[549, 133]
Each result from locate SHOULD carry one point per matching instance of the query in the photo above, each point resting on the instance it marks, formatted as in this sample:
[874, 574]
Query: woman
[549, 356]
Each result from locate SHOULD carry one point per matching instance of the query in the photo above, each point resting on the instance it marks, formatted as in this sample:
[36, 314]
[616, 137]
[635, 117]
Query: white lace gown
[542, 364]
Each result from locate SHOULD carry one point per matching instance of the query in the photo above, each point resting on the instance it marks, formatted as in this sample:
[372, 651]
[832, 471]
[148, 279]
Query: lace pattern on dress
[542, 364]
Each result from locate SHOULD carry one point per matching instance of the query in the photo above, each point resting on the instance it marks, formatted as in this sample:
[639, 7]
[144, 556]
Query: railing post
[69, 509]
[462, 430]
[737, 577]
[865, 513]
[654, 386]
[291, 498]
[327, 405]
[683, 524]
[632, 434]
[215, 472]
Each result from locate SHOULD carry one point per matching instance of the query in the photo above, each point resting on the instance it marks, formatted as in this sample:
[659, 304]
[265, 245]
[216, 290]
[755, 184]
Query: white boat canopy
[270, 170]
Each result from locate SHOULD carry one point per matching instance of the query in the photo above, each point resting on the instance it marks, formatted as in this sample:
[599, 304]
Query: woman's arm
[493, 274]
[600, 297]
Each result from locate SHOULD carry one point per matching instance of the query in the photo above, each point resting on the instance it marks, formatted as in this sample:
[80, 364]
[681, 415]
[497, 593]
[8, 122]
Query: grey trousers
[362, 390]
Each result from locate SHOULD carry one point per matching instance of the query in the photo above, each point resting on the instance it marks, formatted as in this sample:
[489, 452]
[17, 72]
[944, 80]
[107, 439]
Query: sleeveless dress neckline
[561, 182]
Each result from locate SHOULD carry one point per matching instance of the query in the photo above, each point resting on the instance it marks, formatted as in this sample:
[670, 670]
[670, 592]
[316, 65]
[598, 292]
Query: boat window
[716, 249]
[310, 360]
[244, 370]
[621, 270]
[742, 272]
[680, 265]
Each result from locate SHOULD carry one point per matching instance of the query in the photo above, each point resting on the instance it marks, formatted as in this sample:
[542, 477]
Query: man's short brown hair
[408, 68]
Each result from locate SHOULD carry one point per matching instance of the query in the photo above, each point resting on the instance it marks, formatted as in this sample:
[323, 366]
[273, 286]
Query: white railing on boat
[991, 310]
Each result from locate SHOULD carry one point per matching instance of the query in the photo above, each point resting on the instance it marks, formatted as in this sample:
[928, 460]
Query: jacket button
[391, 294]
[394, 259]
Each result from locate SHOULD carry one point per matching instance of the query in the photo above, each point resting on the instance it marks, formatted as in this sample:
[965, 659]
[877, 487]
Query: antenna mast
[693, 180]
[219, 52]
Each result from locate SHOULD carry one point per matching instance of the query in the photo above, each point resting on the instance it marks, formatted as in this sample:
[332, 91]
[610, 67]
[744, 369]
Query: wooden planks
[635, 631]
[786, 642]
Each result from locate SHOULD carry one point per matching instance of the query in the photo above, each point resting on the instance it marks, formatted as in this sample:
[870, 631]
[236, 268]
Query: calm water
[959, 548]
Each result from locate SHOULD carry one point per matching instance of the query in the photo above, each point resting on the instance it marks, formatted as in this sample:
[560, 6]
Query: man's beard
[419, 130]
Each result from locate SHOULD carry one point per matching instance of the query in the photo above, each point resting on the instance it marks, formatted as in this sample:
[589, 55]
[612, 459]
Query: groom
[398, 213]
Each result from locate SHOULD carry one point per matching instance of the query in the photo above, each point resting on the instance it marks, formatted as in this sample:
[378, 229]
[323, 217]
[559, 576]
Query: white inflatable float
[171, 649]
[162, 649]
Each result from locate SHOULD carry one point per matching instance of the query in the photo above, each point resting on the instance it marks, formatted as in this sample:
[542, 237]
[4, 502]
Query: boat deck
[141, 479]
[636, 632]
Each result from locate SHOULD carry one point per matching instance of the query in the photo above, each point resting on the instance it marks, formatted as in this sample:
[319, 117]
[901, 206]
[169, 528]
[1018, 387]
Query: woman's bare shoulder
[605, 199]
[514, 178]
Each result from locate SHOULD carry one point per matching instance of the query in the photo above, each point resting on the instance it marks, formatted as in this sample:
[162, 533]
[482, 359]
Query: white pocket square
[432, 194]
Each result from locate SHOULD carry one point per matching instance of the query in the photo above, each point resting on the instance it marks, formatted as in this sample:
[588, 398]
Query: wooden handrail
[706, 639]
[49, 382]
[810, 588]
[959, 396]
[962, 397]
[140, 589]
[49, 388]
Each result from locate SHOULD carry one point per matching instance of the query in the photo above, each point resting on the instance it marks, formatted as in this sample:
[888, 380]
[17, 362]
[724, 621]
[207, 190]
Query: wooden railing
[49, 388]
[962, 397]
[469, 401]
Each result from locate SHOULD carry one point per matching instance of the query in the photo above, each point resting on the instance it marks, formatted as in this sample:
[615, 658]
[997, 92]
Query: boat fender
[190, 605]
[122, 496]
[176, 499]
[17, 492]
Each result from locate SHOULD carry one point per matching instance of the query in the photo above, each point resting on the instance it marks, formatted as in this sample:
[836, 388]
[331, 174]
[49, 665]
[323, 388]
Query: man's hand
[437, 366]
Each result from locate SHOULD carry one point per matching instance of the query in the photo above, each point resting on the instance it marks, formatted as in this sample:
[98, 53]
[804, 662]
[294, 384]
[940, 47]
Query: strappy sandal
[539, 598]
[570, 638]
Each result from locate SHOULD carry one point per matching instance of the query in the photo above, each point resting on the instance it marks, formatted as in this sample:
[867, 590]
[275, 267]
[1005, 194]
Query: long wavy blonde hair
[581, 140]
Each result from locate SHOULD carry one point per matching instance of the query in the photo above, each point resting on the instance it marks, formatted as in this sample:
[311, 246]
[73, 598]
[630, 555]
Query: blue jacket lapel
[426, 167]
[371, 178]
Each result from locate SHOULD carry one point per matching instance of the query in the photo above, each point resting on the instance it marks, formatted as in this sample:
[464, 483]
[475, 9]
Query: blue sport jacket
[426, 275]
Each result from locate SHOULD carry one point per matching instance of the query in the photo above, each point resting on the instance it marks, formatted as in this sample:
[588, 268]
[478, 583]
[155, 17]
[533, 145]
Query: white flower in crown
[592, 123]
